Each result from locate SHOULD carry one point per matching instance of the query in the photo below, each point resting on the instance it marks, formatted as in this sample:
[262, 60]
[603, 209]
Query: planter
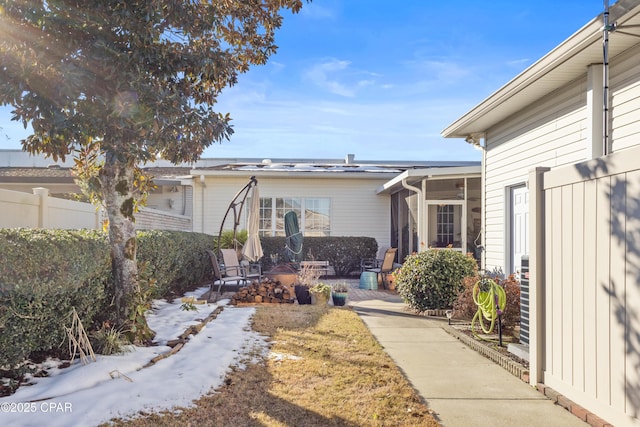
[319, 298]
[391, 284]
[302, 294]
[339, 298]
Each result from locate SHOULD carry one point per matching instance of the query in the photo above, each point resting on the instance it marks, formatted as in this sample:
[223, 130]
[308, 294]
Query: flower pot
[319, 298]
[391, 284]
[339, 298]
[302, 294]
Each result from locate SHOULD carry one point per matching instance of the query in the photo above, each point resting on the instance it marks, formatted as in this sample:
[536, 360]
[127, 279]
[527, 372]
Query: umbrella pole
[236, 205]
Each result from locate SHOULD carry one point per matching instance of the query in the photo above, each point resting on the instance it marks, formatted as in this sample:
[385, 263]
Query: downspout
[202, 187]
[483, 207]
[606, 28]
[420, 215]
[479, 141]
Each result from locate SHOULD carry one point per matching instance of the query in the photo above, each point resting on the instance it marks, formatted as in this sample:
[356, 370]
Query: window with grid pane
[266, 220]
[445, 225]
[316, 220]
[284, 205]
[316, 217]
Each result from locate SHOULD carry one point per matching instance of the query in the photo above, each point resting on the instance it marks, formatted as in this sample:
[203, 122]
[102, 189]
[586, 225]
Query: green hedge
[43, 275]
[46, 273]
[175, 259]
[343, 253]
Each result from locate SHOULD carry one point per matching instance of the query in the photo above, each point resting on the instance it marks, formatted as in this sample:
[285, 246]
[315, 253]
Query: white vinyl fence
[39, 210]
[585, 283]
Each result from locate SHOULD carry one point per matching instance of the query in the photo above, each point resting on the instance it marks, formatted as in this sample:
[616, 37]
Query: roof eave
[452, 172]
[294, 174]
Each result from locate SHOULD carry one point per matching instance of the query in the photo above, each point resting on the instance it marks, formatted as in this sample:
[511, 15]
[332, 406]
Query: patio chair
[219, 277]
[233, 267]
[368, 263]
[387, 266]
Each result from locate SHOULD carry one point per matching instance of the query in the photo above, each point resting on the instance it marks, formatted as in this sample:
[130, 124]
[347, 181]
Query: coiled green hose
[491, 300]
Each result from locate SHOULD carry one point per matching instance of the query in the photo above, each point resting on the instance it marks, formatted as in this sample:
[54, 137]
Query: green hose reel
[491, 300]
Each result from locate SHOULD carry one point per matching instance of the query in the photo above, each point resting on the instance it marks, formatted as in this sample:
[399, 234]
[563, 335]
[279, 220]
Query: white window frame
[302, 202]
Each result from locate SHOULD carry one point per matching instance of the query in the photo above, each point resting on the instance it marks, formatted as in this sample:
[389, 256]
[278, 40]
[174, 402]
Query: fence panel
[588, 283]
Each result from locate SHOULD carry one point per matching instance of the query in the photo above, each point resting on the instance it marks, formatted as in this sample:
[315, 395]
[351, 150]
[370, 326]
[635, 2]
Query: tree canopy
[125, 82]
[141, 77]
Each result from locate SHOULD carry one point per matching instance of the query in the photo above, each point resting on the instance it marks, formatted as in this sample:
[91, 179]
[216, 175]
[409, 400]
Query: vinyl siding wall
[356, 210]
[625, 103]
[549, 133]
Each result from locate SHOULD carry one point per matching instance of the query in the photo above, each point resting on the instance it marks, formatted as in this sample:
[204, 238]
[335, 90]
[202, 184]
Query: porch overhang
[414, 176]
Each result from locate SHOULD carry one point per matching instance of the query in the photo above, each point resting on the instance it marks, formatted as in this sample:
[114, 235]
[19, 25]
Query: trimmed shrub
[43, 275]
[46, 273]
[432, 279]
[176, 260]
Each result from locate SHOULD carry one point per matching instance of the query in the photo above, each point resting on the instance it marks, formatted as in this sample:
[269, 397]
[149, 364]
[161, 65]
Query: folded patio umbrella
[293, 245]
[252, 249]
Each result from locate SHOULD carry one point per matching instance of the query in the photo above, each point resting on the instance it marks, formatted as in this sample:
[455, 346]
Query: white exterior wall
[549, 133]
[356, 210]
[625, 102]
[154, 219]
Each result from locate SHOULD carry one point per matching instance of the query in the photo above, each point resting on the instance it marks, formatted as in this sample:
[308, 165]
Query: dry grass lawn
[333, 373]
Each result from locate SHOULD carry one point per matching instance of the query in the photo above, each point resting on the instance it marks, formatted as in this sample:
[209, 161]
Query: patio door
[445, 224]
[519, 227]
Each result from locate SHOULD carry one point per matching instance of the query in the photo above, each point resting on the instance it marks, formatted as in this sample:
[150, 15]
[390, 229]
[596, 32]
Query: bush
[465, 308]
[226, 240]
[176, 260]
[432, 279]
[43, 275]
[46, 273]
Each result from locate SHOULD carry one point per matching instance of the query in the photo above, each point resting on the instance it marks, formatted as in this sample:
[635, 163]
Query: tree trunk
[117, 177]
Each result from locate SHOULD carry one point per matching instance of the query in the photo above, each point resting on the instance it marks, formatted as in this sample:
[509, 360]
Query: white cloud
[337, 77]
[316, 11]
[445, 71]
[323, 76]
[276, 66]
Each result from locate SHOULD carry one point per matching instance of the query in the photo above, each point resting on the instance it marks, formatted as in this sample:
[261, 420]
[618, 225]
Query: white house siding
[625, 102]
[154, 219]
[550, 133]
[356, 209]
[175, 199]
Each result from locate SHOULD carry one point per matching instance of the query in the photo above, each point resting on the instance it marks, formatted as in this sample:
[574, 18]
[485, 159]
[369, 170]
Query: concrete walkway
[461, 386]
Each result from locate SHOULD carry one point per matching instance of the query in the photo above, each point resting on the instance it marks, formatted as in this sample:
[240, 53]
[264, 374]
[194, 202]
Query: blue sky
[380, 78]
